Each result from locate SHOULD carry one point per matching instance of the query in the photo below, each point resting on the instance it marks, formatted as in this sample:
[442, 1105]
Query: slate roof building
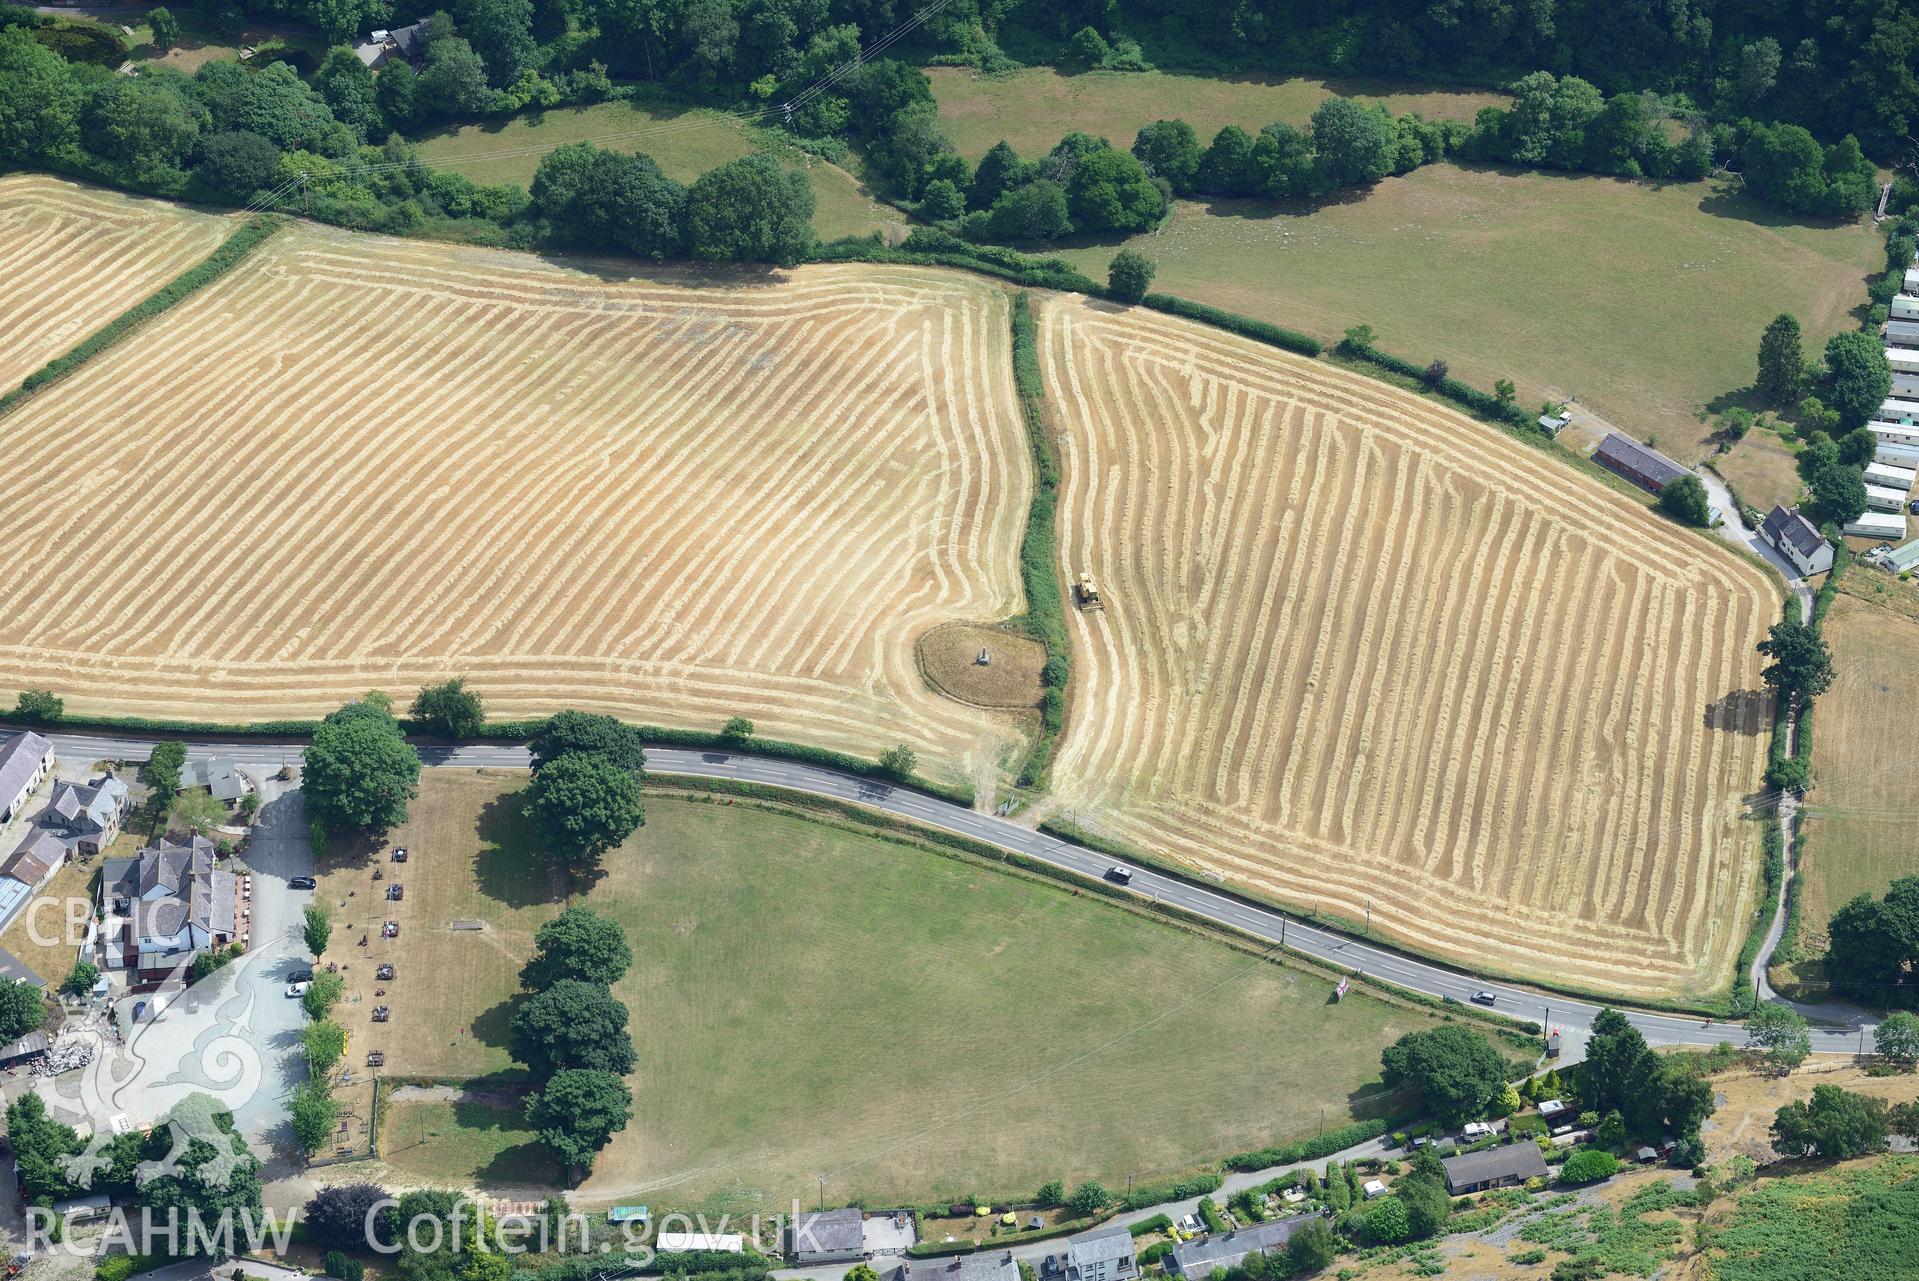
[1103, 1254]
[1642, 465]
[1501, 1167]
[25, 760]
[829, 1236]
[220, 776]
[984, 1266]
[1793, 537]
[1196, 1260]
[164, 905]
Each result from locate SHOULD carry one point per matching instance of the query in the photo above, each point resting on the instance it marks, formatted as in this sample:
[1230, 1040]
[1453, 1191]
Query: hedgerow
[1045, 616]
[1245, 326]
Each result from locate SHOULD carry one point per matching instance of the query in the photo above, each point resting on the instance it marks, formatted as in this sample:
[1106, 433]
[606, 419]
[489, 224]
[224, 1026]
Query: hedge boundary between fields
[223, 259]
[1045, 615]
[499, 733]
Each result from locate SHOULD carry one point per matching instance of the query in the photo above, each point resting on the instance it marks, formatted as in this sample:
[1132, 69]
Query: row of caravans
[1895, 464]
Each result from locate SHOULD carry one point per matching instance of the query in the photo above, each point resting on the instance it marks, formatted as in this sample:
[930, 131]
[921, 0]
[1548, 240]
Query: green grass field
[1035, 107]
[810, 999]
[684, 141]
[1644, 302]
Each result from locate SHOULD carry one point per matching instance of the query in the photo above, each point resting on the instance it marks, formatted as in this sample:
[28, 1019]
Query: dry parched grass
[365, 462]
[75, 257]
[1359, 648]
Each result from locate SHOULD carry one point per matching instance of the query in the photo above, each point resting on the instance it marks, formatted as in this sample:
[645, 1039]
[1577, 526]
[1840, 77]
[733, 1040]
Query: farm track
[1362, 650]
[362, 463]
[75, 257]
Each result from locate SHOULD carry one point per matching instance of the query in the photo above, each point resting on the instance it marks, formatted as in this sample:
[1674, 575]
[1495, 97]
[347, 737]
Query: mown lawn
[1644, 302]
[1033, 108]
[810, 999]
[684, 141]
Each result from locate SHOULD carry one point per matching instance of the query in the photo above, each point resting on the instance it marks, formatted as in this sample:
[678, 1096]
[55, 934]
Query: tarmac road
[1571, 1016]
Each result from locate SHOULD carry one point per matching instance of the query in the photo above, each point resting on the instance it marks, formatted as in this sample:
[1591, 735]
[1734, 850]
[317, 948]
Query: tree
[1840, 492]
[1311, 1248]
[578, 1113]
[396, 91]
[1873, 944]
[321, 994]
[1897, 1038]
[196, 810]
[360, 771]
[41, 1146]
[569, 731]
[1684, 500]
[584, 805]
[1801, 666]
[1052, 1192]
[899, 762]
[1129, 275]
[1616, 1061]
[1588, 1166]
[346, 85]
[942, 201]
[572, 1025]
[324, 1042]
[1426, 1202]
[501, 32]
[452, 80]
[21, 1009]
[165, 27]
[161, 772]
[213, 1176]
[318, 927]
[1858, 376]
[998, 172]
[1781, 1032]
[606, 198]
[1087, 48]
[752, 210]
[236, 164]
[313, 1112]
[338, 1216]
[1032, 211]
[84, 974]
[1169, 149]
[39, 98]
[580, 944]
[1352, 144]
[37, 706]
[1504, 392]
[1782, 366]
[1109, 191]
[737, 729]
[1837, 1124]
[449, 709]
[1226, 167]
[343, 1267]
[1455, 1069]
[1089, 1199]
[861, 1272]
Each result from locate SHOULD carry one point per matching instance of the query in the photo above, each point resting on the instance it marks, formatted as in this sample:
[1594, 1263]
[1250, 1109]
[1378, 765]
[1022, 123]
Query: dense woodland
[1798, 98]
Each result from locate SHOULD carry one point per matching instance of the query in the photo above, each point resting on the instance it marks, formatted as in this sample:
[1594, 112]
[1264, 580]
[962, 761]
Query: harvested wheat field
[1358, 648]
[75, 257]
[370, 463]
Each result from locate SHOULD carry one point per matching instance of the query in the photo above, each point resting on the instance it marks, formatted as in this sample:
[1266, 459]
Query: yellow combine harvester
[1086, 593]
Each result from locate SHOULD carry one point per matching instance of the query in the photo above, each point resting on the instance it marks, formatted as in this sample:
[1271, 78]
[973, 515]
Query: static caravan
[1895, 433]
[1904, 360]
[1912, 279]
[1906, 385]
[1898, 409]
[1905, 307]
[1899, 478]
[1884, 498]
[1902, 333]
[1896, 455]
[1885, 526]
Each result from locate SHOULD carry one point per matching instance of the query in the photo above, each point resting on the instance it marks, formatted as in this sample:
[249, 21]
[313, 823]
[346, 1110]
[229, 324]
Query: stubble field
[75, 257]
[358, 462]
[1359, 649]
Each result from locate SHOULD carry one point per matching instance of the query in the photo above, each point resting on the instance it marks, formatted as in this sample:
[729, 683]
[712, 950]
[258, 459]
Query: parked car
[399, 855]
[1119, 873]
[297, 989]
[301, 883]
[302, 975]
[1483, 997]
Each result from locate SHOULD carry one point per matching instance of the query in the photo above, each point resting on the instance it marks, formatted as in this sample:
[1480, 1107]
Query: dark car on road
[301, 883]
[1119, 873]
